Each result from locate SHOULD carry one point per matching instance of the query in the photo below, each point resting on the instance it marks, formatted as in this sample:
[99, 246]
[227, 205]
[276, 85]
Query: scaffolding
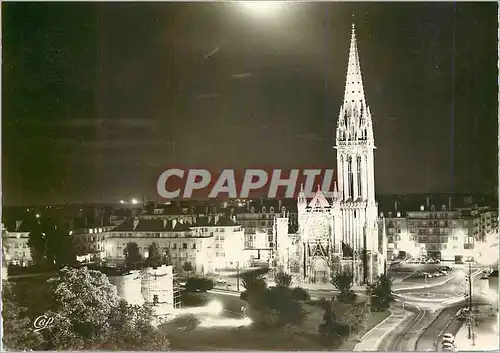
[177, 292]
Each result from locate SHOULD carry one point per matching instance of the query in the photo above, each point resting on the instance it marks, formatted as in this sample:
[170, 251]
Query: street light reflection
[223, 322]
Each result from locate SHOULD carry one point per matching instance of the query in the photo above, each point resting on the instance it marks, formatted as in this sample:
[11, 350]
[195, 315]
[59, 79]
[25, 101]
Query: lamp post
[238, 276]
[470, 301]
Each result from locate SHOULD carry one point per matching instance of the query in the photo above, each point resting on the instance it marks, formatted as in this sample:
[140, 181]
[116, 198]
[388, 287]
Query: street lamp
[134, 201]
[238, 276]
[469, 279]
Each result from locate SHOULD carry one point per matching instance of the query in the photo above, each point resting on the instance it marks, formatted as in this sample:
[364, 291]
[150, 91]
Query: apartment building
[16, 249]
[208, 244]
[440, 233]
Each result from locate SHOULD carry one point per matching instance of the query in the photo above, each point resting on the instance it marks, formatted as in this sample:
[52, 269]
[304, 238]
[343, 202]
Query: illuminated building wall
[16, 249]
[208, 244]
[442, 233]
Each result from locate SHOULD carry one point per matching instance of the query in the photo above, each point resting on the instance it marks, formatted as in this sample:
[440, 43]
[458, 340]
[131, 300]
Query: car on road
[462, 314]
[448, 347]
[221, 281]
[445, 268]
[448, 338]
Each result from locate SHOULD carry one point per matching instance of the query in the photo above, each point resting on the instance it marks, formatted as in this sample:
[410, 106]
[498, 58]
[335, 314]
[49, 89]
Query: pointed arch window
[358, 171]
[350, 181]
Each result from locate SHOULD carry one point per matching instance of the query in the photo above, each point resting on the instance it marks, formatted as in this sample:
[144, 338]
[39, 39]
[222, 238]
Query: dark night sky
[93, 94]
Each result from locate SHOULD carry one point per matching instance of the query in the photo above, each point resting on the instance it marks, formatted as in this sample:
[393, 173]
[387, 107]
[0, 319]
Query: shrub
[186, 322]
[206, 284]
[253, 283]
[347, 297]
[202, 284]
[190, 300]
[275, 307]
[282, 279]
[244, 296]
[300, 294]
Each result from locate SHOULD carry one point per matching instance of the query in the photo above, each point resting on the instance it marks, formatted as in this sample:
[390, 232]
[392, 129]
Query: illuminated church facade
[339, 232]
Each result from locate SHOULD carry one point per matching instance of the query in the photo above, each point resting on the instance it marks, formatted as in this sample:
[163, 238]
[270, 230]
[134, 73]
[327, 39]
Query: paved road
[402, 338]
[444, 323]
[232, 303]
[428, 303]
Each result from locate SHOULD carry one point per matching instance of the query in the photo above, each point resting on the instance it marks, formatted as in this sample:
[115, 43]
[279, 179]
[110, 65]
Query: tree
[274, 307]
[154, 256]
[18, 332]
[90, 316]
[187, 267]
[131, 329]
[253, 282]
[331, 329]
[167, 259]
[283, 279]
[381, 293]
[59, 247]
[50, 244]
[36, 242]
[132, 255]
[343, 282]
[84, 301]
[355, 318]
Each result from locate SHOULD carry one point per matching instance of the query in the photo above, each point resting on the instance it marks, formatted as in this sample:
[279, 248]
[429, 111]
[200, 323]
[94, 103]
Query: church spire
[354, 81]
[355, 122]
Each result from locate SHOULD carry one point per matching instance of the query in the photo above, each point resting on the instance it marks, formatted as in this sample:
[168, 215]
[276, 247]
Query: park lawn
[304, 337]
[243, 338]
[374, 319]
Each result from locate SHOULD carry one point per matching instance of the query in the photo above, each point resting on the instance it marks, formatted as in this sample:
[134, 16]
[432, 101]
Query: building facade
[341, 232]
[438, 232]
[16, 249]
[257, 220]
[209, 244]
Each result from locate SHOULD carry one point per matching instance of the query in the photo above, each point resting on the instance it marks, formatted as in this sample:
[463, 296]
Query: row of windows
[440, 231]
[173, 246]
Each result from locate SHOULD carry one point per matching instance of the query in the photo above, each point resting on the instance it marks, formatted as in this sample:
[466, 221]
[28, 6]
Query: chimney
[428, 202]
[395, 206]
[449, 203]
[136, 222]
[18, 224]
[280, 203]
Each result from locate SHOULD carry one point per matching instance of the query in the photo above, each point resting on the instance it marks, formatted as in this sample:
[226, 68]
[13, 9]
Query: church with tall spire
[339, 233]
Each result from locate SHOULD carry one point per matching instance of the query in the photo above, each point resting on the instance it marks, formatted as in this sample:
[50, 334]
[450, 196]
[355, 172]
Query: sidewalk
[485, 336]
[373, 338]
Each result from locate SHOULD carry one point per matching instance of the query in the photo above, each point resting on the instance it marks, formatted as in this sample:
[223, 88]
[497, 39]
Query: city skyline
[95, 107]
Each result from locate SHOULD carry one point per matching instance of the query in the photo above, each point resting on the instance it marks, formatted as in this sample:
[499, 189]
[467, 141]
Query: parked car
[448, 347]
[221, 281]
[448, 338]
[462, 314]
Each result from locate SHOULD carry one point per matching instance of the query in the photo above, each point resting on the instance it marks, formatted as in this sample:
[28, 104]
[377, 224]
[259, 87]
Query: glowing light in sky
[262, 8]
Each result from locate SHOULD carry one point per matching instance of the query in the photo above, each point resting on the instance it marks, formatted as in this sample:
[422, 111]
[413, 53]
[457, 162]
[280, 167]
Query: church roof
[319, 200]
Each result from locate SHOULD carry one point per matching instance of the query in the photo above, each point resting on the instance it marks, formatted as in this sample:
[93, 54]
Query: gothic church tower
[355, 167]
